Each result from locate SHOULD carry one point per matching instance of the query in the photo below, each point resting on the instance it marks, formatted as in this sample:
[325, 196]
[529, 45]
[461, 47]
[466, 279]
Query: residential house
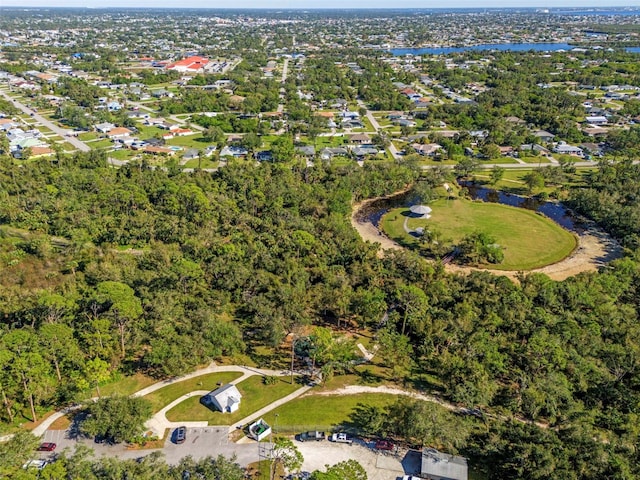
[161, 93]
[436, 465]
[118, 132]
[328, 153]
[528, 147]
[347, 115]
[597, 120]
[114, 106]
[595, 131]
[544, 136]
[405, 122]
[191, 154]
[234, 151]
[564, 148]
[360, 139]
[506, 151]
[264, 156]
[306, 151]
[41, 151]
[591, 149]
[153, 150]
[365, 151]
[104, 127]
[225, 399]
[427, 149]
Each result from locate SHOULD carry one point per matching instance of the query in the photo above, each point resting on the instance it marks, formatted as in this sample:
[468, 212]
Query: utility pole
[293, 343]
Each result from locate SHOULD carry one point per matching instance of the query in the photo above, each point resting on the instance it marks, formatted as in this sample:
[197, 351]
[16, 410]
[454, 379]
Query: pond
[374, 211]
[553, 210]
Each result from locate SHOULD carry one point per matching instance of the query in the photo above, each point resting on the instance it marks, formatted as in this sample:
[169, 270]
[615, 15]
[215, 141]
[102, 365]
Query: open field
[529, 239]
[322, 411]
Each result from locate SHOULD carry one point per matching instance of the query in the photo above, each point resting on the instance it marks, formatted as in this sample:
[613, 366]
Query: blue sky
[321, 3]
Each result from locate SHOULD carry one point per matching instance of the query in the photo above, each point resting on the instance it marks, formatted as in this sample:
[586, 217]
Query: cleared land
[323, 411]
[529, 239]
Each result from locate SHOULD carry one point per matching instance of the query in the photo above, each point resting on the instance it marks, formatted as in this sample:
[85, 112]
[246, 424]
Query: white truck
[341, 438]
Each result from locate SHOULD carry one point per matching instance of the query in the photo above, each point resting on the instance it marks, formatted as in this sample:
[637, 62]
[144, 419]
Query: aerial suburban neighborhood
[323, 244]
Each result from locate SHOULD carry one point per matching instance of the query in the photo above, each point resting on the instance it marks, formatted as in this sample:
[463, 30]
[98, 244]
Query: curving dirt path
[368, 231]
[595, 249]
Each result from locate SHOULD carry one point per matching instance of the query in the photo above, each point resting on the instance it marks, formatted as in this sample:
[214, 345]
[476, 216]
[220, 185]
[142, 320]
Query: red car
[384, 445]
[47, 447]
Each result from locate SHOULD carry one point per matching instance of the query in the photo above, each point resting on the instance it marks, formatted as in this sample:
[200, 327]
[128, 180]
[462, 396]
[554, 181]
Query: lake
[515, 47]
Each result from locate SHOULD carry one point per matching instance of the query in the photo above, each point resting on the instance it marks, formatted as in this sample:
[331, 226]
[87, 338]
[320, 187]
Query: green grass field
[529, 239]
[322, 411]
[255, 395]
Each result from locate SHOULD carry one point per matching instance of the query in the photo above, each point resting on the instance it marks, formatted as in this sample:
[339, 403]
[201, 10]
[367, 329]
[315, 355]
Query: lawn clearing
[255, 395]
[322, 412]
[529, 240]
[161, 398]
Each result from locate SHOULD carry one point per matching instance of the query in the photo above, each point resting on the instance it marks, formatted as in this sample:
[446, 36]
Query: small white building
[226, 398]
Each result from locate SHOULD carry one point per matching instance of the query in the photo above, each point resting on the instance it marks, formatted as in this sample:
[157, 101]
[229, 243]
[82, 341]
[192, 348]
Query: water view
[516, 47]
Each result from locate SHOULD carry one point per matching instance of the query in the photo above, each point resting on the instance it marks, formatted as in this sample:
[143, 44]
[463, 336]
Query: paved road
[526, 166]
[376, 126]
[283, 79]
[83, 147]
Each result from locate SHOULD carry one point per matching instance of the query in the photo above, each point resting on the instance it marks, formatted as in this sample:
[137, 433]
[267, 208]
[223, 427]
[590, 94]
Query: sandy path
[369, 232]
[595, 249]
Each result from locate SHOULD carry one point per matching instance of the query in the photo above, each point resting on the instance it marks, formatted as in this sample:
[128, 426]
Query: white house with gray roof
[226, 398]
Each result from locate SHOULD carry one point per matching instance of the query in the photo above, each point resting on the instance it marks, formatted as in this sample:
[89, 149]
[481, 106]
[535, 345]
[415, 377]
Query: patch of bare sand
[368, 231]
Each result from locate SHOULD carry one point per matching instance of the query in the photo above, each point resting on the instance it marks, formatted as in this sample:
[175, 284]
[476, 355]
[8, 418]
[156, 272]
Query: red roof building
[189, 64]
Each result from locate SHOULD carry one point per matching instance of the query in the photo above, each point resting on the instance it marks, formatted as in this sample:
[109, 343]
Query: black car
[180, 435]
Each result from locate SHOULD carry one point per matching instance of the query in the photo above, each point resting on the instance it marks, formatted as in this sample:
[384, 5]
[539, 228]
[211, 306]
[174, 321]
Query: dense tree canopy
[144, 270]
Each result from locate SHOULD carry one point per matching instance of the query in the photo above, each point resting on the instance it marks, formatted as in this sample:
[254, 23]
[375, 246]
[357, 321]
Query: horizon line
[572, 7]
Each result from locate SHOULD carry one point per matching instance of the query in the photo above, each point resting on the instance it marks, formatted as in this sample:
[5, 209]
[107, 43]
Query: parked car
[314, 435]
[180, 435]
[35, 463]
[384, 445]
[47, 447]
[341, 438]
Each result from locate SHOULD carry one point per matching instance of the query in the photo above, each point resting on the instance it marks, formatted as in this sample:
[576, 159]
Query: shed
[442, 466]
[226, 398]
